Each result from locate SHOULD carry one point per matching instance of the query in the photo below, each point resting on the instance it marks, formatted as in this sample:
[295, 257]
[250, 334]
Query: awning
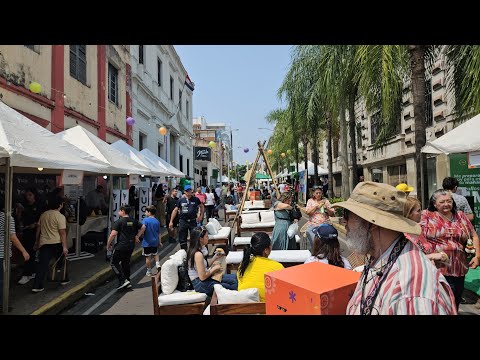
[158, 161]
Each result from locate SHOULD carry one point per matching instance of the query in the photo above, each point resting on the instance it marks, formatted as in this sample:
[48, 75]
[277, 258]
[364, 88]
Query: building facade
[85, 85]
[162, 97]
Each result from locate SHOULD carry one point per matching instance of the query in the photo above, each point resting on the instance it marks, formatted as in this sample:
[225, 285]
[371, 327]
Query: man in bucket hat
[398, 278]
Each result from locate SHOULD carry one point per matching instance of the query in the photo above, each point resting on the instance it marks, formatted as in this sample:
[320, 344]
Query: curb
[61, 302]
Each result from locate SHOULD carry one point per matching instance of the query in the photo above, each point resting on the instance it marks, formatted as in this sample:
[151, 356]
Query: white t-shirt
[281, 187]
[346, 263]
[210, 199]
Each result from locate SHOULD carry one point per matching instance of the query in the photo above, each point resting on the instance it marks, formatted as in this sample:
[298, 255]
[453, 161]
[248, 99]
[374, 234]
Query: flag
[190, 84]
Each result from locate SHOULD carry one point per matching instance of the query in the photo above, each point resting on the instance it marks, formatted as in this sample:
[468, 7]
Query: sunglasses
[345, 214]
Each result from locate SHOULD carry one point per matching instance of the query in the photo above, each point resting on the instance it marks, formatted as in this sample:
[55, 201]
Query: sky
[237, 85]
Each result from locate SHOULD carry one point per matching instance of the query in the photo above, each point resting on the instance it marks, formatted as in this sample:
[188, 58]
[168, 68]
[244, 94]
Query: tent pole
[6, 243]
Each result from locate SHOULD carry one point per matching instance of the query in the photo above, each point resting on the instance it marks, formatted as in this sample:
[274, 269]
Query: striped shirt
[435, 231]
[2, 233]
[462, 203]
[413, 287]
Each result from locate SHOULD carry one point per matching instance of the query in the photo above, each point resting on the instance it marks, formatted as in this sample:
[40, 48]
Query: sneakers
[149, 273]
[65, 282]
[158, 266]
[124, 284]
[129, 286]
[37, 290]
[24, 279]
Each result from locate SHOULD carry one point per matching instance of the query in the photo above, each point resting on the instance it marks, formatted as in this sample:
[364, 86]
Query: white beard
[360, 240]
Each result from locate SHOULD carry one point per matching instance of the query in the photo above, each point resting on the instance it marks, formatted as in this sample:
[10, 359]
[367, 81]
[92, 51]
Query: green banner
[469, 180]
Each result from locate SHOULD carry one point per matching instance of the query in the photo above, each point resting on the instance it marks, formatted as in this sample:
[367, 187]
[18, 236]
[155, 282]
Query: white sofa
[255, 222]
[286, 257]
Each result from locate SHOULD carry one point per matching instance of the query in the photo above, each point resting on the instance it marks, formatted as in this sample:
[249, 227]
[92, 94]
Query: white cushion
[218, 226]
[227, 206]
[207, 310]
[234, 257]
[222, 234]
[169, 279]
[267, 216]
[359, 268]
[250, 218]
[258, 225]
[241, 240]
[292, 256]
[181, 297]
[258, 203]
[226, 296]
[211, 228]
[179, 256]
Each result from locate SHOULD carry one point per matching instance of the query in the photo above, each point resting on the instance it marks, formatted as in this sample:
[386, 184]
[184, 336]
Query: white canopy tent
[162, 163]
[24, 146]
[464, 138]
[138, 157]
[119, 164]
[311, 168]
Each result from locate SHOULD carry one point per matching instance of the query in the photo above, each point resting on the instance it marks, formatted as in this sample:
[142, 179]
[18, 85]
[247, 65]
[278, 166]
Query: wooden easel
[261, 152]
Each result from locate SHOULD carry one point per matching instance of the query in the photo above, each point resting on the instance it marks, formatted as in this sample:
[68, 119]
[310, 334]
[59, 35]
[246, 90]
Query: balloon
[270, 152]
[246, 150]
[282, 154]
[35, 87]
[130, 121]
[163, 130]
[211, 144]
[289, 151]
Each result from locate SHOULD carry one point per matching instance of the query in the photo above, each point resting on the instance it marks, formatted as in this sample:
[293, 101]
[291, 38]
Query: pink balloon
[130, 121]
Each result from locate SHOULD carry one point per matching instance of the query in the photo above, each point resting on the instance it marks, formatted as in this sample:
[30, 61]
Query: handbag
[184, 282]
[58, 270]
[295, 213]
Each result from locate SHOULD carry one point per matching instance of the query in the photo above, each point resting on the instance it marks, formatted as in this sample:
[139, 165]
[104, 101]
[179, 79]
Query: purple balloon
[130, 121]
[246, 150]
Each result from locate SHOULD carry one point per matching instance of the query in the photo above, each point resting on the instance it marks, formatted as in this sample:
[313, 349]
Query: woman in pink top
[447, 229]
[319, 212]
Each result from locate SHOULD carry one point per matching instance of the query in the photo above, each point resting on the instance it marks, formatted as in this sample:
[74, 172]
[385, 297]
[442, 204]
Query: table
[286, 257]
[93, 223]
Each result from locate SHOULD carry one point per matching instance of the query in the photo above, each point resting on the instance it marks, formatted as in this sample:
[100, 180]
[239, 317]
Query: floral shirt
[440, 234]
[318, 217]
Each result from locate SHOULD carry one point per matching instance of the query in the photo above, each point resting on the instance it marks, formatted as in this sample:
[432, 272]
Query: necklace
[366, 304]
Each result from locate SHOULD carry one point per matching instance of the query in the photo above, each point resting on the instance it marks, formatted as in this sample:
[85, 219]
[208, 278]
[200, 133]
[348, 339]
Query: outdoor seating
[286, 257]
[255, 222]
[218, 234]
[251, 308]
[177, 303]
[240, 242]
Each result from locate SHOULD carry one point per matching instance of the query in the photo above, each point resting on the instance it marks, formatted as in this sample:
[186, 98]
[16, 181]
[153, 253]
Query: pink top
[202, 197]
[317, 217]
[441, 234]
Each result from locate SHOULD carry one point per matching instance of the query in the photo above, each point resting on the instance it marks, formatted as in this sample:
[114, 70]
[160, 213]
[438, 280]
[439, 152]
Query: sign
[133, 179]
[124, 197]
[144, 198]
[474, 160]
[469, 182]
[72, 177]
[302, 186]
[202, 153]
[116, 204]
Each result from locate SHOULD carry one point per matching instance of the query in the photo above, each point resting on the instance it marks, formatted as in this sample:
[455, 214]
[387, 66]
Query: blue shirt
[150, 237]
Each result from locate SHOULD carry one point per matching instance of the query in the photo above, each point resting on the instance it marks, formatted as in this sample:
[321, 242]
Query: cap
[404, 187]
[325, 232]
[187, 187]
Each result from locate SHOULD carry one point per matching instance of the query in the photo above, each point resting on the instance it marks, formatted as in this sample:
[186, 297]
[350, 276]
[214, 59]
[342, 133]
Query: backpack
[184, 282]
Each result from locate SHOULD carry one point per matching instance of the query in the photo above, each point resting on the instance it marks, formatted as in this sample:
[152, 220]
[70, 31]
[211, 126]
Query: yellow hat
[404, 187]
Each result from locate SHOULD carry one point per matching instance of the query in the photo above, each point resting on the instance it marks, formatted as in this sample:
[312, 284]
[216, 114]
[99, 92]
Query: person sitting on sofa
[198, 271]
[256, 263]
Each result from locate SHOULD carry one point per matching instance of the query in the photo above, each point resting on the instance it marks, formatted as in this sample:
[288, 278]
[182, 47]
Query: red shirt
[202, 197]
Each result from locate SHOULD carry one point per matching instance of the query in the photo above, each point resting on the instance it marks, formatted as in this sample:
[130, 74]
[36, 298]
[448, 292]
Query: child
[151, 240]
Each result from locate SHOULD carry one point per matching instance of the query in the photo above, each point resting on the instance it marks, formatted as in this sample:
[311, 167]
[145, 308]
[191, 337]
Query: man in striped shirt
[398, 279]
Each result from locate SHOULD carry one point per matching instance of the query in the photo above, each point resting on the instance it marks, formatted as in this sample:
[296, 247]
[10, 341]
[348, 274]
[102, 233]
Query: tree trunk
[353, 131]
[344, 152]
[296, 155]
[330, 157]
[315, 160]
[417, 65]
[305, 157]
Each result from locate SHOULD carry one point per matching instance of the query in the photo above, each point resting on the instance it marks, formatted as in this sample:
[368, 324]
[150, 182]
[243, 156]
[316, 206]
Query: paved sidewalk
[85, 275]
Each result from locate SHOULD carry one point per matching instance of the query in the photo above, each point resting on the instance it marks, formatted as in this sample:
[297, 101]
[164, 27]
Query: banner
[144, 198]
[133, 179]
[469, 186]
[474, 160]
[72, 177]
[116, 204]
[124, 197]
[202, 153]
[302, 189]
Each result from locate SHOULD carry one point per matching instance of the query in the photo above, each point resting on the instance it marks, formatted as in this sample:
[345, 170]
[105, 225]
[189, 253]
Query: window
[186, 109]
[141, 53]
[428, 103]
[359, 135]
[159, 72]
[374, 127]
[142, 141]
[188, 167]
[181, 163]
[397, 174]
[171, 88]
[78, 62]
[180, 99]
[160, 150]
[112, 84]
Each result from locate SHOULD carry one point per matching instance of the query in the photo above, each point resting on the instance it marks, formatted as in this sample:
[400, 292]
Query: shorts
[150, 250]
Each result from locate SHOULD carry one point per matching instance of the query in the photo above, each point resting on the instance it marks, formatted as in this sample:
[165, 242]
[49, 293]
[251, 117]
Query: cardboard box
[309, 289]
